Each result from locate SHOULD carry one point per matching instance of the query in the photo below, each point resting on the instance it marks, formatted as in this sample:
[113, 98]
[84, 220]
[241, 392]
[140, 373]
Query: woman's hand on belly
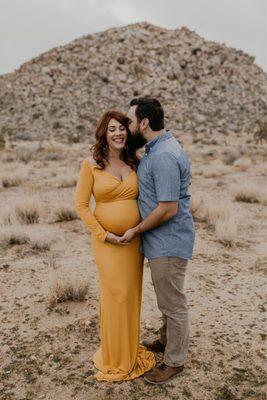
[114, 239]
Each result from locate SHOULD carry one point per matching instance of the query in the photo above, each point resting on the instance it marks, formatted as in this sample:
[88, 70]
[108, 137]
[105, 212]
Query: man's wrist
[137, 229]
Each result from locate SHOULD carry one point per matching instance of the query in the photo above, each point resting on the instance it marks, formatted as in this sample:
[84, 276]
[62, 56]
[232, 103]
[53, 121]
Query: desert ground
[49, 282]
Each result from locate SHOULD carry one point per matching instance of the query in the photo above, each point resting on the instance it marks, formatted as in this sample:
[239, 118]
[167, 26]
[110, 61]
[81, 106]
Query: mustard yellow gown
[120, 356]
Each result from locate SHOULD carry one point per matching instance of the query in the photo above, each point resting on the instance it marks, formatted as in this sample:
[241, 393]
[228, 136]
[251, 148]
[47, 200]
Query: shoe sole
[161, 383]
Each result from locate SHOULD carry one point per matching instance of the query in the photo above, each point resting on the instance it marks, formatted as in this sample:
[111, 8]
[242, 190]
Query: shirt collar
[160, 138]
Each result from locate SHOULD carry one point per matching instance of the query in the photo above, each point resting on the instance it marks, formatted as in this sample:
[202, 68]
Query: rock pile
[206, 88]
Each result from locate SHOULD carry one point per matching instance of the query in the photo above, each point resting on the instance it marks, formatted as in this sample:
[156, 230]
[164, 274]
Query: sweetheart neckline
[114, 176]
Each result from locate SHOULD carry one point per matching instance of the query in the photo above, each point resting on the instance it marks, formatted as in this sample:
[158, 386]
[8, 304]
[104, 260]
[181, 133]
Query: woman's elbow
[78, 208]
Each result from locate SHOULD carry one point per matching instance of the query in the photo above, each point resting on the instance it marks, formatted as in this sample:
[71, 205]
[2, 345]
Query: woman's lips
[118, 140]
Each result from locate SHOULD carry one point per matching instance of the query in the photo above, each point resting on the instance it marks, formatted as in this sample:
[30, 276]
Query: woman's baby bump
[117, 216]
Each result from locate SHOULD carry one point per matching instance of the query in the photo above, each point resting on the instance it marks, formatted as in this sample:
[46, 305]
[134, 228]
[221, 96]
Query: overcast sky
[30, 27]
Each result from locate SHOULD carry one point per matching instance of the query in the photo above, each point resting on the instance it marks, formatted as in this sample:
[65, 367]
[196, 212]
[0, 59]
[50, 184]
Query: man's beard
[138, 140]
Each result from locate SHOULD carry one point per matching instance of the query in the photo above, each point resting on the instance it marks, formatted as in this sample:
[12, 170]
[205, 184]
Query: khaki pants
[168, 276]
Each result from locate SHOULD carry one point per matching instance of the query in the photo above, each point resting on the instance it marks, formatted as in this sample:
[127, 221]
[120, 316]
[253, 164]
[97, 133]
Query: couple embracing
[141, 210]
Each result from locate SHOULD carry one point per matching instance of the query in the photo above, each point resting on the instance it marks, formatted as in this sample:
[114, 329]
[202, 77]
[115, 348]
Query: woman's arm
[82, 199]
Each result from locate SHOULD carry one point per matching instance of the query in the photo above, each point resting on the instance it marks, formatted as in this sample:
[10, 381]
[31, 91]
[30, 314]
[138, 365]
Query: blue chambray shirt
[164, 175]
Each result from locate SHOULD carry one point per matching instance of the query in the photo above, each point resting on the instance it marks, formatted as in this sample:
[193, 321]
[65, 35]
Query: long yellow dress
[120, 356]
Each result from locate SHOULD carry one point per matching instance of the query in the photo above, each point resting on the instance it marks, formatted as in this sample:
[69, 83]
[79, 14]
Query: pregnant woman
[112, 180]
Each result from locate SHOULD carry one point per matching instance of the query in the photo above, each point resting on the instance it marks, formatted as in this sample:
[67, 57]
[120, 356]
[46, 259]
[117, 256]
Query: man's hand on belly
[162, 213]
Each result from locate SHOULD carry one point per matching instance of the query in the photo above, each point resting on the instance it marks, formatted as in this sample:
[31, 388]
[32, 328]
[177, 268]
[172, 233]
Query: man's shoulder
[170, 156]
[163, 160]
[171, 150]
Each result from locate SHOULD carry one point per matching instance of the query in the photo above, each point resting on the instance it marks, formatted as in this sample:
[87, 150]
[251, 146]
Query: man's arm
[166, 174]
[162, 213]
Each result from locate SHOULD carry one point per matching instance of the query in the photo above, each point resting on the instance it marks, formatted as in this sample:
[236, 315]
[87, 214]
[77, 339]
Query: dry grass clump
[216, 208]
[67, 287]
[260, 265]
[65, 213]
[8, 157]
[196, 207]
[216, 171]
[12, 179]
[250, 193]
[220, 214]
[54, 151]
[7, 217]
[13, 234]
[26, 153]
[260, 131]
[243, 163]
[2, 141]
[69, 181]
[39, 238]
[52, 157]
[27, 212]
[231, 155]
[226, 231]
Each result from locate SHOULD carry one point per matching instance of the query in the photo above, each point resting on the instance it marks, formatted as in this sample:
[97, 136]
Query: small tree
[260, 132]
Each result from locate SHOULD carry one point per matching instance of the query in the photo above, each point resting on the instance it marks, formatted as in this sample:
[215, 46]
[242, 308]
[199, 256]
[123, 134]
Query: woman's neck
[114, 154]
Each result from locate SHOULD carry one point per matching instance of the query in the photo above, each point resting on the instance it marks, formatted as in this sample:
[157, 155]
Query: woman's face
[116, 135]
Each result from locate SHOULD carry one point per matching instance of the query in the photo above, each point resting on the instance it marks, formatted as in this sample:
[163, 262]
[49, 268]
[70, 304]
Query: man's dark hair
[150, 108]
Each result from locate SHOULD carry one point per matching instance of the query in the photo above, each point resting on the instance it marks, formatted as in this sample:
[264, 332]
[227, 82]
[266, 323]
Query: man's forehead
[131, 111]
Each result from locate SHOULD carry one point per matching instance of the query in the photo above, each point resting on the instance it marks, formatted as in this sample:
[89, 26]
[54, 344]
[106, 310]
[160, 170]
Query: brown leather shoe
[162, 373]
[154, 345]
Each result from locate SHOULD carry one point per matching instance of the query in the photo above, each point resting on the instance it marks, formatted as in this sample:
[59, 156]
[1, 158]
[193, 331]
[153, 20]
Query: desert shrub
[68, 181]
[260, 131]
[216, 171]
[243, 163]
[229, 156]
[41, 239]
[26, 153]
[12, 179]
[52, 157]
[220, 214]
[65, 213]
[38, 238]
[226, 231]
[70, 287]
[250, 193]
[12, 234]
[27, 212]
[196, 207]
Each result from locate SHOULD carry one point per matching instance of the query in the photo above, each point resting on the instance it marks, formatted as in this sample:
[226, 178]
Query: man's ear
[144, 123]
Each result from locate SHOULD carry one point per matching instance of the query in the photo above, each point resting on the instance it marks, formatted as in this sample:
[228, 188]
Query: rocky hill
[206, 88]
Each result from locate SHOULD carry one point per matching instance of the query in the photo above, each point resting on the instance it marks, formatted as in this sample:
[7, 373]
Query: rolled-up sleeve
[167, 177]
